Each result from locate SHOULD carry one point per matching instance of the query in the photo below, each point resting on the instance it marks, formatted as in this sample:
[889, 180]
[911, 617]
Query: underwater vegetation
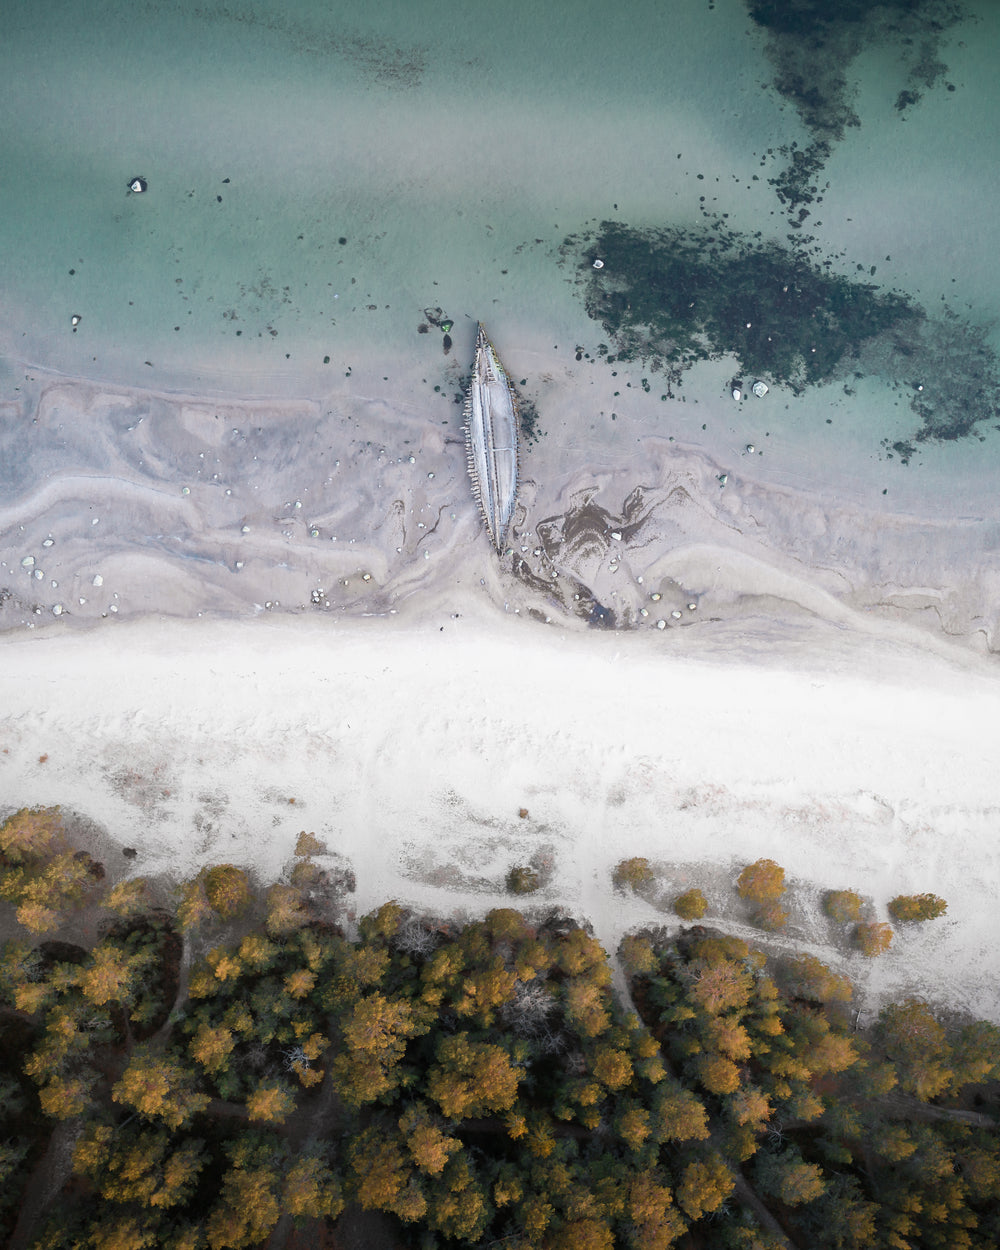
[812, 44]
[671, 296]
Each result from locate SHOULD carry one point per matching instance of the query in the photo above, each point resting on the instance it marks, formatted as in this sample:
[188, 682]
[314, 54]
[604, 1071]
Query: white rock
[661, 624]
[616, 535]
[692, 607]
[656, 596]
[676, 615]
[38, 575]
[48, 542]
[98, 580]
[57, 609]
[28, 562]
[113, 608]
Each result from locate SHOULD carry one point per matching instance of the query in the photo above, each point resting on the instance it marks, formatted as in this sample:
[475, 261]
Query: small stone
[366, 577]
[239, 564]
[411, 459]
[644, 611]
[661, 624]
[98, 580]
[676, 615]
[750, 449]
[656, 596]
[185, 490]
[57, 609]
[38, 575]
[598, 264]
[723, 478]
[28, 562]
[616, 535]
[314, 533]
[639, 580]
[48, 542]
[430, 475]
[95, 520]
[692, 607]
[113, 608]
[245, 529]
[81, 601]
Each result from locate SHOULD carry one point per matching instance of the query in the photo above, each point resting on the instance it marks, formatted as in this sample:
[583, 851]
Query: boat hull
[491, 419]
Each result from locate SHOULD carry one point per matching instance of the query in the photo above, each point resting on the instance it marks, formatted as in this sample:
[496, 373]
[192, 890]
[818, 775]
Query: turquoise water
[453, 151]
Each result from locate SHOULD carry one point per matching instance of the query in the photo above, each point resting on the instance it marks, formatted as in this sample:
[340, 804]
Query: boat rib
[491, 439]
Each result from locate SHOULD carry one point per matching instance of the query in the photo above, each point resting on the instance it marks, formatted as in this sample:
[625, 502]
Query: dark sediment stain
[673, 296]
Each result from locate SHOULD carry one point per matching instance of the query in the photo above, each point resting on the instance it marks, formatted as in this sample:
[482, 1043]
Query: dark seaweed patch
[811, 45]
[673, 296]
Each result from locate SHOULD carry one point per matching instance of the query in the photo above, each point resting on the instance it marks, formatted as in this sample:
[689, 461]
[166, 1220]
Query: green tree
[910, 908]
[691, 905]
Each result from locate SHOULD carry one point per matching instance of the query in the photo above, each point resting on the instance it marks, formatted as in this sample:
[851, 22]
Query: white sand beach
[409, 750]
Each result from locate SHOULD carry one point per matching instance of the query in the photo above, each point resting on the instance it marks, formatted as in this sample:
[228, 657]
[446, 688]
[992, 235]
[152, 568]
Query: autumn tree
[383, 1175]
[633, 873]
[227, 889]
[705, 1184]
[311, 1190]
[159, 1087]
[637, 955]
[788, 1177]
[761, 882]
[918, 1046]
[134, 1164]
[129, 898]
[691, 905]
[873, 938]
[471, 1078]
[271, 1102]
[805, 976]
[523, 879]
[911, 908]
[843, 906]
[249, 1203]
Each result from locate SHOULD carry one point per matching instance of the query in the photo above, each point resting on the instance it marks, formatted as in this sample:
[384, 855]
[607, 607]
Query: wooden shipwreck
[491, 419]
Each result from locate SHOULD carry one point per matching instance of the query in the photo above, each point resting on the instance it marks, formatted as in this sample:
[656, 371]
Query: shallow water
[453, 157]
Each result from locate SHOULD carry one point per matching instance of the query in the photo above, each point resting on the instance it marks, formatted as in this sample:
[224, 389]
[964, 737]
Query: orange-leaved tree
[910, 908]
[761, 882]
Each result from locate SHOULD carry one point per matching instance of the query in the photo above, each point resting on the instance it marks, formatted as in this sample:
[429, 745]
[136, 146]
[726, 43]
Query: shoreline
[359, 504]
[409, 751]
